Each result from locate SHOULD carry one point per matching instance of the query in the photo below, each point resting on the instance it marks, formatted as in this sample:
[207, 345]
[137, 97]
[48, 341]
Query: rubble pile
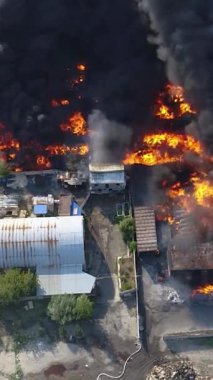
[175, 370]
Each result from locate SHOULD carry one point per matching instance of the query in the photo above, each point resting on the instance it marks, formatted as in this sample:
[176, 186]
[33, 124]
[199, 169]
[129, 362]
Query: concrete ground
[110, 337]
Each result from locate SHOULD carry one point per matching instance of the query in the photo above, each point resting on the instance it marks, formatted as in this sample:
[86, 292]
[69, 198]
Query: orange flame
[76, 124]
[163, 148]
[8, 142]
[206, 289]
[58, 103]
[203, 191]
[43, 162]
[81, 67]
[176, 106]
[61, 150]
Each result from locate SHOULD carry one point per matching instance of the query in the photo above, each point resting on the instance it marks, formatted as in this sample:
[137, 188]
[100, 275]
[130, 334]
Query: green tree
[4, 168]
[61, 308]
[65, 308]
[83, 308]
[132, 246]
[15, 284]
[127, 228]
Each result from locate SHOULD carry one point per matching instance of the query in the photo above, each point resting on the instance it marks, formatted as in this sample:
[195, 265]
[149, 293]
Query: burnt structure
[186, 250]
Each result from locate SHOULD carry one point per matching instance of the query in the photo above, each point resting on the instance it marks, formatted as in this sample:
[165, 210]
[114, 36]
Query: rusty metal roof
[145, 229]
[46, 243]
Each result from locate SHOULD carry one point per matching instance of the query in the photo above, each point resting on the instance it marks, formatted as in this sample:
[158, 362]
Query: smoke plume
[182, 31]
[108, 139]
[41, 42]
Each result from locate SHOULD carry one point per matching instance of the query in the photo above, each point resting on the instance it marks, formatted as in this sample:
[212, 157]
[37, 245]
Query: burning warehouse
[187, 250]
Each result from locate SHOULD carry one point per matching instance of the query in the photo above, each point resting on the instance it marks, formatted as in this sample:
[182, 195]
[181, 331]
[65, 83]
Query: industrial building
[53, 246]
[106, 178]
[145, 229]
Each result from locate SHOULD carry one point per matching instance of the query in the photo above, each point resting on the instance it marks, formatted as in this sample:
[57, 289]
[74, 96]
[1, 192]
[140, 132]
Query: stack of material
[177, 370]
[145, 229]
[64, 205]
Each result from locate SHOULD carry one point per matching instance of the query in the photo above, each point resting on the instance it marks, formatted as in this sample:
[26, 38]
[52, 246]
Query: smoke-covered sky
[42, 41]
[108, 138]
[183, 33]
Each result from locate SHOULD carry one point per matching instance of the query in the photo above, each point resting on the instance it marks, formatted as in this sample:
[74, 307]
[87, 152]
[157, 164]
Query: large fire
[33, 154]
[76, 124]
[167, 148]
[171, 103]
[162, 148]
[61, 150]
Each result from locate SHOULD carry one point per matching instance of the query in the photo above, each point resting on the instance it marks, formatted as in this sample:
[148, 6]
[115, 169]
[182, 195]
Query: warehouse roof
[145, 229]
[45, 243]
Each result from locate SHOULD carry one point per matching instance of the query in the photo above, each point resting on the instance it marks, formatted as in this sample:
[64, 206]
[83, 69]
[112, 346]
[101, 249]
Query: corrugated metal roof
[64, 279]
[145, 229]
[28, 242]
[55, 246]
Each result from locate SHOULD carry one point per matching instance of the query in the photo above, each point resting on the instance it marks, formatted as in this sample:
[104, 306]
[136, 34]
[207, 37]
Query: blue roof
[75, 209]
[40, 209]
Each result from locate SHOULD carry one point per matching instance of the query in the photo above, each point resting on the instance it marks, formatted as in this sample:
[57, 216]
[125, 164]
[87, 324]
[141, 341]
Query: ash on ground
[175, 370]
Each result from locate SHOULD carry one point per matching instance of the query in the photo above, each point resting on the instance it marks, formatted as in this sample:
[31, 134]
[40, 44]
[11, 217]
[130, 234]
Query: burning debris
[171, 103]
[76, 124]
[175, 370]
[203, 295]
[162, 148]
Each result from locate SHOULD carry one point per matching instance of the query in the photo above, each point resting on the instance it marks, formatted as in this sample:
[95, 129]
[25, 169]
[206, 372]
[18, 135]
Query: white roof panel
[64, 279]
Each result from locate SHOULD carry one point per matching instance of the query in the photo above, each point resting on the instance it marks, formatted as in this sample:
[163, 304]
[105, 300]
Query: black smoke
[42, 41]
[183, 32]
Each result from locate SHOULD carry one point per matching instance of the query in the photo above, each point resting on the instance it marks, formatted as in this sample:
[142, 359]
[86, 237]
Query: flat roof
[64, 279]
[145, 229]
[106, 167]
